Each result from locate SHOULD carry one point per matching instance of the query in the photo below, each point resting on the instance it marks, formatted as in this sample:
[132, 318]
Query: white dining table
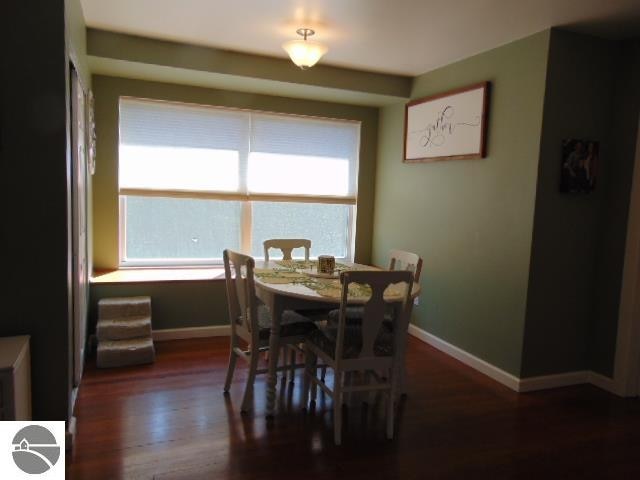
[279, 297]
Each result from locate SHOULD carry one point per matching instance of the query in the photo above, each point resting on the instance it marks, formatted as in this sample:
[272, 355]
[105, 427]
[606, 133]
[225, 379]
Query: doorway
[79, 223]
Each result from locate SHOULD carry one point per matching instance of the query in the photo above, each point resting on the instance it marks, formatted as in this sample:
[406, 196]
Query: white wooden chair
[398, 260]
[368, 348]
[286, 245]
[401, 260]
[251, 322]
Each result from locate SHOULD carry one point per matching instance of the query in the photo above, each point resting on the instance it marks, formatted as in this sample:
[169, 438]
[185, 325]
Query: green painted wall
[131, 48]
[562, 284]
[173, 304]
[35, 158]
[593, 92]
[77, 40]
[515, 273]
[105, 183]
[470, 220]
[618, 173]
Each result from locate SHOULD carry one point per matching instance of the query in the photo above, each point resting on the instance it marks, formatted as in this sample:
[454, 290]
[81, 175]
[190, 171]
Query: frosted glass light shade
[304, 53]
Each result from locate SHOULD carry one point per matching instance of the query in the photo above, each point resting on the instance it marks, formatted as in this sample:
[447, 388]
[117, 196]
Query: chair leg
[233, 357]
[309, 370]
[337, 408]
[391, 397]
[292, 372]
[248, 390]
[368, 380]
[285, 362]
[348, 381]
[282, 356]
[314, 385]
[401, 391]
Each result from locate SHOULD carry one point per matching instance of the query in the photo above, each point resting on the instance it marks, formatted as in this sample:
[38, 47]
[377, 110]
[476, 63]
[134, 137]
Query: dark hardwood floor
[171, 420]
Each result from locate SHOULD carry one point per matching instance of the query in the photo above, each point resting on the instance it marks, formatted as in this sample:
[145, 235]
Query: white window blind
[170, 149]
[194, 180]
[313, 157]
[166, 146]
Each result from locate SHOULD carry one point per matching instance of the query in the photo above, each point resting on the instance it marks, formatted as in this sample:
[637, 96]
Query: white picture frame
[447, 126]
[91, 132]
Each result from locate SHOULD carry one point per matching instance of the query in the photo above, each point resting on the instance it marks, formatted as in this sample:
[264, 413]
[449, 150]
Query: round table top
[298, 290]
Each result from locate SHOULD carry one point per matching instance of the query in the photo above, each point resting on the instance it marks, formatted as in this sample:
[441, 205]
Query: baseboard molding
[70, 434]
[605, 383]
[465, 357]
[544, 382]
[191, 332]
[529, 384]
[74, 398]
[522, 385]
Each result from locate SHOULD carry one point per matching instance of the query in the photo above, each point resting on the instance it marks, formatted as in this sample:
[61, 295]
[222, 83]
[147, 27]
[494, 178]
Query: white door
[79, 213]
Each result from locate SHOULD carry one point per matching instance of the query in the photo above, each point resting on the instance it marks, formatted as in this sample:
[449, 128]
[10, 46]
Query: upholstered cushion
[325, 339]
[315, 314]
[354, 317]
[292, 324]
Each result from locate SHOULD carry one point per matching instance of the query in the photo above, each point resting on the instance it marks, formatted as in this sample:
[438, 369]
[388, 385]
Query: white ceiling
[395, 36]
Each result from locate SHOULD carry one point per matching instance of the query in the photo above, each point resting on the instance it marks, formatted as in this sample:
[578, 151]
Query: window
[194, 180]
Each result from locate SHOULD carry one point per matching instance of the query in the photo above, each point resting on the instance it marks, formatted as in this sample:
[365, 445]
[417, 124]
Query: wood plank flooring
[171, 421]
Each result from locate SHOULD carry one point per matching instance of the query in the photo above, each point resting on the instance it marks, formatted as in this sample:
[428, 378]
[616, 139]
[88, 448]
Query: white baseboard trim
[468, 359]
[521, 385]
[191, 332]
[605, 383]
[74, 398]
[70, 434]
[544, 382]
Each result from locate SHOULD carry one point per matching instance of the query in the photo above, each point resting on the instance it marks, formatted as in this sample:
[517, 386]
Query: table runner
[327, 287]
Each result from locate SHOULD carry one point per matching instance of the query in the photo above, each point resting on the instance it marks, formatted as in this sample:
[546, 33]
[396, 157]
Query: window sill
[141, 275]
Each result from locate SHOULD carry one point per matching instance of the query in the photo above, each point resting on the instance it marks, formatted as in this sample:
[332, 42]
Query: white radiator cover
[15, 378]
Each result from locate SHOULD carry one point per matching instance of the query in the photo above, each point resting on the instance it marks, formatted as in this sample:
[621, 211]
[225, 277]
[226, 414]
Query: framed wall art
[91, 132]
[448, 126]
[579, 165]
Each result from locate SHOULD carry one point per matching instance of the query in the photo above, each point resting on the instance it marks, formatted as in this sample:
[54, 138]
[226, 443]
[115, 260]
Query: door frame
[627, 360]
[79, 178]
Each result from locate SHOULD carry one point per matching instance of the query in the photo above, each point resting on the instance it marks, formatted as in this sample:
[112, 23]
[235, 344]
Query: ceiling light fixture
[304, 53]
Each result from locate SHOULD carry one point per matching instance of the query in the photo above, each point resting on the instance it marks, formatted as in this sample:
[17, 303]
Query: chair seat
[292, 324]
[354, 317]
[325, 340]
[316, 314]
